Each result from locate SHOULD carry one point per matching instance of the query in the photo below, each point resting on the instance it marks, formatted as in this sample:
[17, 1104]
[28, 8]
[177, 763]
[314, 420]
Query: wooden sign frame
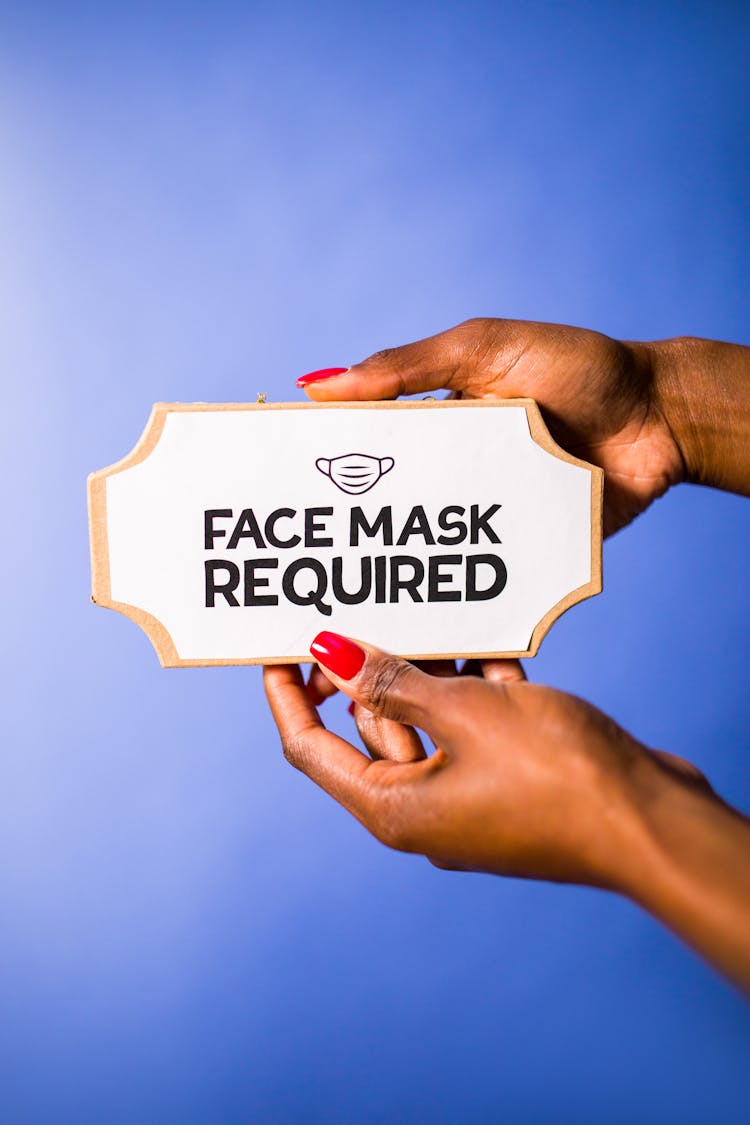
[157, 633]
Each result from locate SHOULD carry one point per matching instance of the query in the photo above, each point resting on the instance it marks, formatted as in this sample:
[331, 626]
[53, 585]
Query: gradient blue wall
[202, 202]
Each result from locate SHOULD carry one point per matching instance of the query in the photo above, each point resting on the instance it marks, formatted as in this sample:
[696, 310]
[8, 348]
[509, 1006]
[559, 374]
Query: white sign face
[234, 533]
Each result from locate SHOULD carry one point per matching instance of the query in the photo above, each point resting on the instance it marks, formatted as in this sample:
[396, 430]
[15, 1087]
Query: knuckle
[388, 834]
[384, 355]
[441, 864]
[295, 750]
[383, 684]
[368, 723]
[476, 324]
[396, 819]
[395, 831]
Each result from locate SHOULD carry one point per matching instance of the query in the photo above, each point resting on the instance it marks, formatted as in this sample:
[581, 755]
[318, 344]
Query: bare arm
[529, 781]
[651, 415]
[695, 872]
[525, 781]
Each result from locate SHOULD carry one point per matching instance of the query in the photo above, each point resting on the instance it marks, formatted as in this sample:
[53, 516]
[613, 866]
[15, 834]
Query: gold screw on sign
[262, 398]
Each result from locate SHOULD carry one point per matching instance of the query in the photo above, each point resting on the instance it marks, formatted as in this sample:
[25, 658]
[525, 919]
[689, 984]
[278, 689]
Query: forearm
[690, 868]
[702, 387]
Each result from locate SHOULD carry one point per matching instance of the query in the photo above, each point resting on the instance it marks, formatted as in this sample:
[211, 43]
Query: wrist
[685, 858]
[618, 848]
[631, 853]
[657, 805]
[656, 802]
[676, 381]
[654, 430]
[700, 389]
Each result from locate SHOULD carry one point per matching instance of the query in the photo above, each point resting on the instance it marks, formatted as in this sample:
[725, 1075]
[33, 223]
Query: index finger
[357, 782]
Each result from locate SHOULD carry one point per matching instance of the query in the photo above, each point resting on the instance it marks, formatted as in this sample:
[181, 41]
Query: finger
[319, 687]
[376, 792]
[450, 360]
[329, 760]
[386, 739]
[442, 668]
[502, 671]
[385, 684]
[495, 671]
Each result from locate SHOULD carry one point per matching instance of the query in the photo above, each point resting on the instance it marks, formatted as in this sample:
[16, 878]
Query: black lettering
[337, 582]
[473, 593]
[270, 528]
[315, 596]
[209, 531]
[481, 523]
[253, 581]
[358, 522]
[435, 579]
[380, 579]
[312, 527]
[246, 528]
[456, 526]
[409, 584]
[416, 524]
[226, 588]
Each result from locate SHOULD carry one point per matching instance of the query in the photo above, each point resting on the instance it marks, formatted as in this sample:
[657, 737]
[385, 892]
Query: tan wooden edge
[157, 633]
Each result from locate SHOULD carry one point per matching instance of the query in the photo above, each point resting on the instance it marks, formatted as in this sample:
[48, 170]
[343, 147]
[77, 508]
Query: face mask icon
[355, 472]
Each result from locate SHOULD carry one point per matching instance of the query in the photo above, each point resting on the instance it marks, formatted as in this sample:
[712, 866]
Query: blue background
[200, 202]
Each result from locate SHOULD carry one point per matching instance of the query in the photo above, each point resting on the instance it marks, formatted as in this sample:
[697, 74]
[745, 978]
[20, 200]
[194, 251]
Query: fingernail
[350, 708]
[338, 654]
[316, 376]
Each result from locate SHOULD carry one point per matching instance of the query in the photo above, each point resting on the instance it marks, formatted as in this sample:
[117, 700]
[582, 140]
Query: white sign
[233, 533]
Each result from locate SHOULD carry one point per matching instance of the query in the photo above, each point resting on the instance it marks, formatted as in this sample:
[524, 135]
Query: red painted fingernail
[338, 654]
[316, 376]
[350, 708]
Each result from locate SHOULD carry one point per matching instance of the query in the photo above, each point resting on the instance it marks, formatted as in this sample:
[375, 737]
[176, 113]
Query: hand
[524, 781]
[598, 396]
[650, 414]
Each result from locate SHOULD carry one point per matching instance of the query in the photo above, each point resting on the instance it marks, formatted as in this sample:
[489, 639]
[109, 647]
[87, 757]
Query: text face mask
[355, 472]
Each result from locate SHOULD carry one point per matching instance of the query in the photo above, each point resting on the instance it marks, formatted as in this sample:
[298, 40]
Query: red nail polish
[316, 376]
[338, 654]
[350, 708]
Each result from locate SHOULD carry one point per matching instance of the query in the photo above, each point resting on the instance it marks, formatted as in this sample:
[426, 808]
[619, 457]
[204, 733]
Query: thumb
[445, 361]
[385, 684]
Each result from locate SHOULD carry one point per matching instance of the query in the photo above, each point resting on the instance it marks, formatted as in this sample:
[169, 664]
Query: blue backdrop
[200, 202]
